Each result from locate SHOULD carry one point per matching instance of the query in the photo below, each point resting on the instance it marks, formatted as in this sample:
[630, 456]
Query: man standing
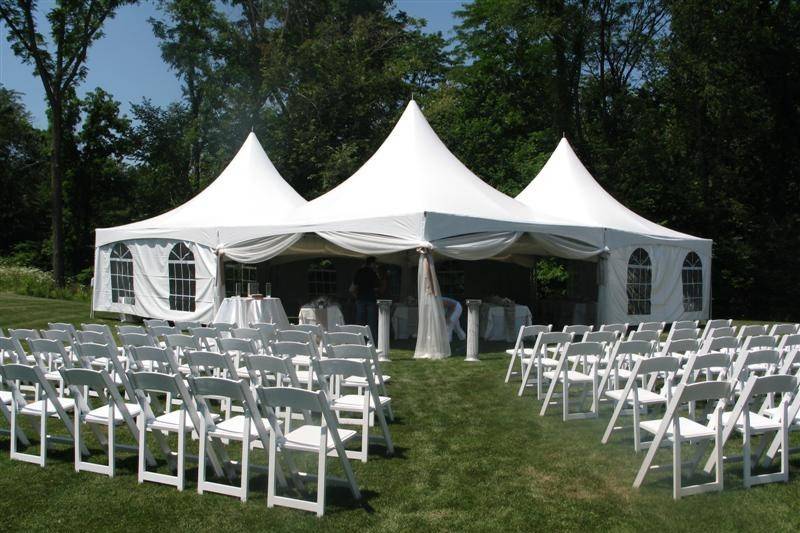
[365, 285]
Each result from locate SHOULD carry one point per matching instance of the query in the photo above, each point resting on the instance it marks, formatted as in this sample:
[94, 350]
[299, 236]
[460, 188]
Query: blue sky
[127, 62]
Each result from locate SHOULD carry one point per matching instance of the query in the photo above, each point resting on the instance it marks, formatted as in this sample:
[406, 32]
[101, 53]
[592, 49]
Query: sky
[127, 63]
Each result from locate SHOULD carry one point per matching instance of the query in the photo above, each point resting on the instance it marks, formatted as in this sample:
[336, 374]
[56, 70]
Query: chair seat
[35, 408]
[621, 372]
[690, 430]
[306, 438]
[171, 422]
[646, 397]
[524, 352]
[301, 360]
[302, 376]
[572, 375]
[234, 428]
[6, 397]
[758, 423]
[361, 381]
[100, 415]
[590, 359]
[546, 361]
[54, 375]
[773, 413]
[355, 402]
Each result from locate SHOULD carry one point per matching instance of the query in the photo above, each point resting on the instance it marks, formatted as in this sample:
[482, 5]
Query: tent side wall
[151, 281]
[667, 290]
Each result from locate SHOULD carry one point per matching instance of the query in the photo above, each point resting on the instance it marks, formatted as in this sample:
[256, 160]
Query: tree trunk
[57, 201]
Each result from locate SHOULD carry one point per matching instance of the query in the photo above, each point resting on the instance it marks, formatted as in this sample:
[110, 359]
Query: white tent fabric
[565, 188]
[432, 341]
[247, 196]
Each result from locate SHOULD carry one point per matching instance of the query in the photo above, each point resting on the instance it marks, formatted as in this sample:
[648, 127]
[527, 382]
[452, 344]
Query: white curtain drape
[432, 340]
[476, 246]
[261, 249]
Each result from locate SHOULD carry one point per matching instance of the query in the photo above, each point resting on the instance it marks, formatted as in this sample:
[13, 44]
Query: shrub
[31, 281]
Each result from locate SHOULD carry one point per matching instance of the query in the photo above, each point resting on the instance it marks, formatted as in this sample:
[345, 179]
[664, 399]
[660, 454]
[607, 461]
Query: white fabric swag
[432, 342]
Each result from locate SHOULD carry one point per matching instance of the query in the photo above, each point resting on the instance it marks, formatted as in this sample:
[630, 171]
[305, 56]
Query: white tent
[413, 193]
[679, 283]
[140, 257]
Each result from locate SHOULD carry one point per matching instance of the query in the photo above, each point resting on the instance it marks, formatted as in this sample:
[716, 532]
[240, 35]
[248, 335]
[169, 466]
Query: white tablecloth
[245, 311]
[329, 316]
[494, 327]
[404, 321]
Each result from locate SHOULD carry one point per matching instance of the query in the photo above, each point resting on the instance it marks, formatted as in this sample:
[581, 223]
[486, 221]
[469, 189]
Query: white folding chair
[545, 357]
[112, 412]
[154, 322]
[323, 439]
[779, 330]
[711, 325]
[49, 406]
[268, 332]
[678, 430]
[207, 336]
[749, 424]
[64, 326]
[300, 354]
[562, 374]
[750, 330]
[520, 351]
[684, 324]
[621, 329]
[249, 428]
[124, 329]
[237, 349]
[369, 404]
[636, 397]
[160, 422]
[251, 334]
[727, 331]
[186, 325]
[578, 330]
[646, 335]
[652, 326]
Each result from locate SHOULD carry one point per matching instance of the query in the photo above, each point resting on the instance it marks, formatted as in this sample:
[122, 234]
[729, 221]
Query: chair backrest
[295, 335]
[160, 332]
[351, 351]
[651, 326]
[583, 348]
[213, 387]
[681, 334]
[716, 323]
[268, 332]
[315, 329]
[131, 329]
[760, 341]
[720, 344]
[182, 342]
[649, 365]
[22, 334]
[335, 338]
[136, 339]
[293, 398]
[88, 351]
[103, 329]
[684, 324]
[779, 330]
[358, 329]
[147, 382]
[260, 366]
[251, 334]
[726, 331]
[577, 329]
[789, 342]
[222, 327]
[753, 359]
[207, 336]
[531, 332]
[164, 360]
[13, 349]
[94, 337]
[44, 349]
[237, 345]
[60, 335]
[293, 349]
[706, 361]
[608, 337]
[703, 390]
[622, 329]
[647, 335]
[681, 346]
[154, 322]
[202, 363]
[751, 330]
[186, 325]
[63, 326]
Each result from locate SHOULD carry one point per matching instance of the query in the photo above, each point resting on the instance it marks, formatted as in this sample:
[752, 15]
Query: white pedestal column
[473, 317]
[384, 312]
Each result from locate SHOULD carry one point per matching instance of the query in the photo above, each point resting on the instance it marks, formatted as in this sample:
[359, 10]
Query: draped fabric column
[431, 329]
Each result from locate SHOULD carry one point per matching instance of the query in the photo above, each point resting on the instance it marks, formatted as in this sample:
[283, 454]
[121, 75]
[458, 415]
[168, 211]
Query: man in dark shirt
[365, 285]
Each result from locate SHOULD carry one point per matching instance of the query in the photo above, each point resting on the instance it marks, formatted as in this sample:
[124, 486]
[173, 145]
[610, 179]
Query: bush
[34, 282]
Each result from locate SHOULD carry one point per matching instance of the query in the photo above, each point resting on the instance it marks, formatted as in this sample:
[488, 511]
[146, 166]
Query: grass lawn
[471, 455]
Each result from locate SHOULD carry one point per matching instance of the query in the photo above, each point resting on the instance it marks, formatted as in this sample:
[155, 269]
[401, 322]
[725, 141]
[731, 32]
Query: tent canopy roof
[410, 177]
[565, 188]
[248, 194]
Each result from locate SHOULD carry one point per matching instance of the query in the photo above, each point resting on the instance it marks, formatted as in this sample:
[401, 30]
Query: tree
[23, 159]
[74, 26]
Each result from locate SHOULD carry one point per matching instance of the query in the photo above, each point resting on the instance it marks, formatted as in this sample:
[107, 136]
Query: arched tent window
[181, 278]
[121, 268]
[640, 282]
[692, 276]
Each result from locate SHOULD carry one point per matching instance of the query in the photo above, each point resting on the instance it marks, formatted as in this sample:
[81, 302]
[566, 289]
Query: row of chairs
[724, 374]
[84, 379]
